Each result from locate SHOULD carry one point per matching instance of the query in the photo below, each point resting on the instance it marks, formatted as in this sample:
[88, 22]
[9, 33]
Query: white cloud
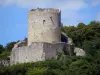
[20, 3]
[64, 4]
[73, 4]
[95, 2]
[69, 8]
[98, 17]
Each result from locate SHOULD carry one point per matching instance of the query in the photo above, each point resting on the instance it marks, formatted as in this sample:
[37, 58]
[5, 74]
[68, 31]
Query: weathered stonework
[21, 43]
[44, 25]
[4, 63]
[44, 38]
[79, 52]
[37, 52]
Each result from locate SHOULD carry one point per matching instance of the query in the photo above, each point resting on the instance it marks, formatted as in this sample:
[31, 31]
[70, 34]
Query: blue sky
[13, 15]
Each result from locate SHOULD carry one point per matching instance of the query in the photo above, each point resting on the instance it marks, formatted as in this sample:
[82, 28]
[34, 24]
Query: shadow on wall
[64, 38]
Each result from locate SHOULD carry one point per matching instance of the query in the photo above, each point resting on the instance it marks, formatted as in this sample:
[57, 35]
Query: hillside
[84, 36]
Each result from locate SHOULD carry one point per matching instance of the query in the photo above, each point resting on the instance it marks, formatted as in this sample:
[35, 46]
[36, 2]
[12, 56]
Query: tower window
[44, 21]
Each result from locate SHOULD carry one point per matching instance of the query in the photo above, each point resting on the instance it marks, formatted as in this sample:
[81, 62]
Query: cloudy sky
[13, 15]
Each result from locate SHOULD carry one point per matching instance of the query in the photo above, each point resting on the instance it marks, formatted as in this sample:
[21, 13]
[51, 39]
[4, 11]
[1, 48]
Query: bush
[5, 55]
[36, 71]
[92, 46]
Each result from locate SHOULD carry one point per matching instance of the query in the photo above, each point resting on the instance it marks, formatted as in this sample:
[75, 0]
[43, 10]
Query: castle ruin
[44, 25]
[45, 38]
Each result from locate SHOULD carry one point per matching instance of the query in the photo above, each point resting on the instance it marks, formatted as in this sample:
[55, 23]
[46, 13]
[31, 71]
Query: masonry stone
[44, 40]
[4, 63]
[37, 52]
[79, 52]
[44, 25]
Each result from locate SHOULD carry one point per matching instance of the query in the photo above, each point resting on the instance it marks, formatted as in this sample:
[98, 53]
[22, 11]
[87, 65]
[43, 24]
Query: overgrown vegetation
[84, 36]
[5, 51]
[66, 66]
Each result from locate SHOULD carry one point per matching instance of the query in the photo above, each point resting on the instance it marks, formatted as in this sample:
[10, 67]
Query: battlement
[46, 10]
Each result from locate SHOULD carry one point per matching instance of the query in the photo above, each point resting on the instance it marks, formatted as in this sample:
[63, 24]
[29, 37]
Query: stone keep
[44, 25]
[44, 38]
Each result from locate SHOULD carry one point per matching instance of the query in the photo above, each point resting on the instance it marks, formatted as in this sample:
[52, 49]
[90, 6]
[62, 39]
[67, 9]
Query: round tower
[44, 25]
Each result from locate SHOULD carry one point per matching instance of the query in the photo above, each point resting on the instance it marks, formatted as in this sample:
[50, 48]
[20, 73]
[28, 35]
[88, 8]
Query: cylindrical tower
[44, 25]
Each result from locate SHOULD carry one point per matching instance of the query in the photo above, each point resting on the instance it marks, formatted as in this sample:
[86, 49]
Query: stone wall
[79, 52]
[51, 49]
[27, 53]
[37, 52]
[44, 38]
[44, 25]
[4, 63]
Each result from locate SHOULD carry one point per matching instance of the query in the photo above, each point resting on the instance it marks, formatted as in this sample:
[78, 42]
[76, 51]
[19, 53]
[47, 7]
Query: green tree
[81, 25]
[92, 46]
[9, 46]
[83, 32]
[2, 49]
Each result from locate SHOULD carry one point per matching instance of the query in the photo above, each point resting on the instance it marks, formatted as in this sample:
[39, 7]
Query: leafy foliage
[5, 51]
[84, 36]
[83, 32]
[9, 46]
[1, 49]
[66, 66]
